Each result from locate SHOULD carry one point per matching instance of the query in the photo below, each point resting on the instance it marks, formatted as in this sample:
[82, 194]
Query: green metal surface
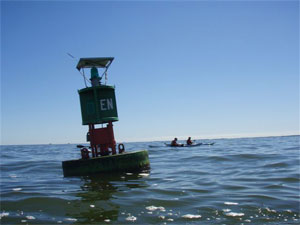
[125, 162]
[98, 105]
[94, 73]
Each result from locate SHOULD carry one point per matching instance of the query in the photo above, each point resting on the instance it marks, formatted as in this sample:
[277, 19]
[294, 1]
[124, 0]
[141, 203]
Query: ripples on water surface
[235, 181]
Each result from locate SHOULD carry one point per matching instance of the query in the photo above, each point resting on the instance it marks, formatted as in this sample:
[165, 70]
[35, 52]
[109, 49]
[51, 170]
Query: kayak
[192, 145]
[182, 145]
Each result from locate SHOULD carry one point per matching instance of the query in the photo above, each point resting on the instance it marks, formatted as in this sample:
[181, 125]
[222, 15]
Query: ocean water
[234, 181]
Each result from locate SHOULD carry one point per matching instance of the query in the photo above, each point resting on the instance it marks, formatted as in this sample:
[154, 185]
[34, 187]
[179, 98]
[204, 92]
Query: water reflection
[99, 196]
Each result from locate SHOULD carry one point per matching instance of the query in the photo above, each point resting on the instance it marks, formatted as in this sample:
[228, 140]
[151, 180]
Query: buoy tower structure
[98, 106]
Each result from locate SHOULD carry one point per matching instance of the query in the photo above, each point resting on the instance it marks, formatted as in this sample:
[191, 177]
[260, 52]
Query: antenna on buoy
[82, 73]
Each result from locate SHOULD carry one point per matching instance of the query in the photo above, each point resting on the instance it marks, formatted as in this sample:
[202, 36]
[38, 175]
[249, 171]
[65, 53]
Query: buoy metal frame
[101, 139]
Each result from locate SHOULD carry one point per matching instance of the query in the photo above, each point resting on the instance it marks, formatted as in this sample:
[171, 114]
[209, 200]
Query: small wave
[250, 156]
[3, 214]
[131, 218]
[13, 176]
[271, 210]
[71, 219]
[285, 179]
[273, 186]
[154, 208]
[219, 158]
[20, 195]
[292, 148]
[233, 187]
[234, 214]
[144, 174]
[30, 217]
[191, 216]
[17, 189]
[265, 146]
[277, 165]
[266, 197]
[168, 179]
[202, 191]
[251, 147]
[231, 203]
[226, 210]
[31, 167]
[200, 158]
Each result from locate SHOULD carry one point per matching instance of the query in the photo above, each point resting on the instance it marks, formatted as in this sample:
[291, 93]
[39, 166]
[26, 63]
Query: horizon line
[180, 138]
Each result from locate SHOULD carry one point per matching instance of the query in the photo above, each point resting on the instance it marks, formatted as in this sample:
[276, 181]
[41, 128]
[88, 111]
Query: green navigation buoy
[98, 106]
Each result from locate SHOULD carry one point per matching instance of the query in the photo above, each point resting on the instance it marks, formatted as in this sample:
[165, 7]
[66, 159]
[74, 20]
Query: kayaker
[174, 142]
[189, 141]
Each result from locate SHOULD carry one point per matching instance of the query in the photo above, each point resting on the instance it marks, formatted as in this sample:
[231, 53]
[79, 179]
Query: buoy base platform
[127, 161]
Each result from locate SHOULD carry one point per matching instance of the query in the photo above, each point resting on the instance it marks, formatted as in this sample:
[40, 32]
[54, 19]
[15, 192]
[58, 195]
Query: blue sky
[204, 69]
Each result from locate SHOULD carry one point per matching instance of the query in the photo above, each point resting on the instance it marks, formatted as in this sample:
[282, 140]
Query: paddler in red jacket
[174, 142]
[189, 141]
